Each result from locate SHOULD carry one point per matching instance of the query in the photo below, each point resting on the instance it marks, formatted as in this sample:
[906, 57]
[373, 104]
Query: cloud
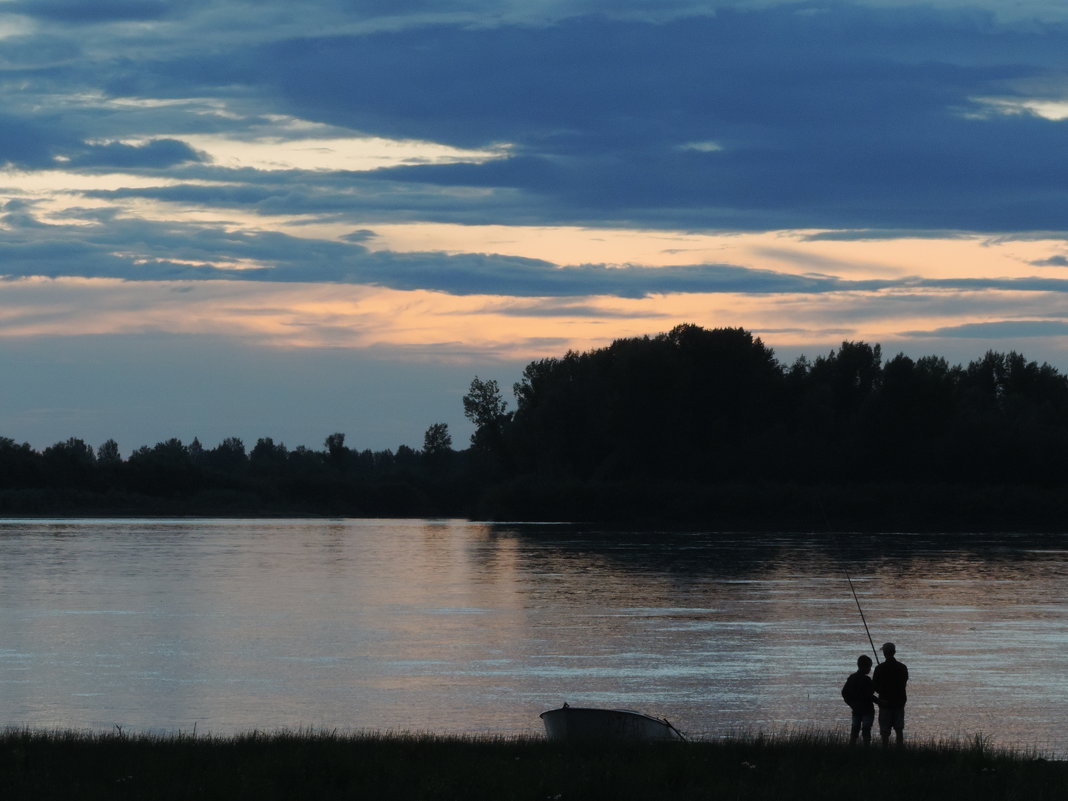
[864, 122]
[114, 246]
[98, 11]
[567, 308]
[876, 235]
[1025, 284]
[333, 195]
[31, 143]
[363, 235]
[159, 161]
[756, 117]
[135, 250]
[1001, 329]
[478, 274]
[845, 120]
[156, 154]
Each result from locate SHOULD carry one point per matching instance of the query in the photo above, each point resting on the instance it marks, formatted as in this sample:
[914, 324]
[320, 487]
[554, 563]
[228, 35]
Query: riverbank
[264, 766]
[724, 506]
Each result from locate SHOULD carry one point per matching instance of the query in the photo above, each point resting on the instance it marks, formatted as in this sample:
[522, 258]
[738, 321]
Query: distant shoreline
[736, 527]
[744, 507]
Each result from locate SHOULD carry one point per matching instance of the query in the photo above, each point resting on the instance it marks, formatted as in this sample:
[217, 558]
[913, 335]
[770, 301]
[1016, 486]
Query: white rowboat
[587, 723]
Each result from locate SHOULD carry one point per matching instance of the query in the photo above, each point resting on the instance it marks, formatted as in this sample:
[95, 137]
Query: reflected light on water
[458, 627]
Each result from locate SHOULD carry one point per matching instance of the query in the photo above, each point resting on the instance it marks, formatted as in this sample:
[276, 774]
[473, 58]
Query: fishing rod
[827, 520]
[862, 618]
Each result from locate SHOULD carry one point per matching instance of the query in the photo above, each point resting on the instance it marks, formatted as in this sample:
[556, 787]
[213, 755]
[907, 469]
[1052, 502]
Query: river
[226, 626]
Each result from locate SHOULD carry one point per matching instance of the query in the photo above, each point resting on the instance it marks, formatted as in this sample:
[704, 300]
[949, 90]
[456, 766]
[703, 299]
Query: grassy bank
[35, 765]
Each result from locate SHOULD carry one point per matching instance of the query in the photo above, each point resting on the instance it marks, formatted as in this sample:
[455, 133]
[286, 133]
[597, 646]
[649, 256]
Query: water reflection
[768, 623]
[459, 627]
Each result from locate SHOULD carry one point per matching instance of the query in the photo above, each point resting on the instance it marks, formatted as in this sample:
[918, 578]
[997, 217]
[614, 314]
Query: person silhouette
[859, 692]
[890, 679]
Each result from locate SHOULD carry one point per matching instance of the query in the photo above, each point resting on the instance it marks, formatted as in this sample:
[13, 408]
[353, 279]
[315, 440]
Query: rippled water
[232, 625]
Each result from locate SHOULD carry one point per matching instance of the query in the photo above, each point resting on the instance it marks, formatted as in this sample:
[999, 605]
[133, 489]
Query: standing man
[859, 693]
[890, 679]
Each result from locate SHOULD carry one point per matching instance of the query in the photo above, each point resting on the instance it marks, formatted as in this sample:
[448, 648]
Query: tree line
[692, 425]
[708, 425]
[176, 478]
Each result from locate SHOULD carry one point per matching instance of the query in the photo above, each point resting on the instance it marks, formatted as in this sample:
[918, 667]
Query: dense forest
[691, 426]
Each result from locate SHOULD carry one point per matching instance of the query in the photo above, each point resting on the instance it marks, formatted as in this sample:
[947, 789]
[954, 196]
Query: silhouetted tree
[227, 457]
[337, 455]
[484, 406]
[853, 373]
[687, 404]
[108, 454]
[1011, 419]
[363, 463]
[20, 465]
[437, 440]
[406, 458]
[303, 462]
[72, 452]
[165, 469]
[267, 458]
[69, 464]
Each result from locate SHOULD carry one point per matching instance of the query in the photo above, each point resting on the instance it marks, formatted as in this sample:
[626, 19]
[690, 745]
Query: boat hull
[586, 723]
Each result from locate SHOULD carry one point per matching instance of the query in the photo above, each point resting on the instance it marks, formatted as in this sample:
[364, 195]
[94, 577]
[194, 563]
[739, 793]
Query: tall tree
[484, 406]
[108, 453]
[437, 440]
[337, 455]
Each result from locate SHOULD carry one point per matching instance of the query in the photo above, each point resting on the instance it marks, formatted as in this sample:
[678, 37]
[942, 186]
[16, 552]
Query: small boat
[587, 723]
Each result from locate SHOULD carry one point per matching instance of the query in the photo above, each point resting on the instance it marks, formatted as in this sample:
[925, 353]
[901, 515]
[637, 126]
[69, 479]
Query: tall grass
[326, 765]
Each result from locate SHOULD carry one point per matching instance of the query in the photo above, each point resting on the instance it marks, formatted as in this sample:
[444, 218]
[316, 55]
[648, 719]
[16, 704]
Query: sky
[289, 218]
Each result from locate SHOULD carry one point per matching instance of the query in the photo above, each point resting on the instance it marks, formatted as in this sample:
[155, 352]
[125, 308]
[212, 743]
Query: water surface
[458, 627]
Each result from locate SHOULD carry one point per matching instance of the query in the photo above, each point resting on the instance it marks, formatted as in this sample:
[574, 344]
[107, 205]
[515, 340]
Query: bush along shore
[311, 765]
